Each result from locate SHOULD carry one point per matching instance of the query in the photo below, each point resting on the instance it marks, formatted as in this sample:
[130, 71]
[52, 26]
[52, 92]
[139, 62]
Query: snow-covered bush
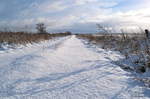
[130, 45]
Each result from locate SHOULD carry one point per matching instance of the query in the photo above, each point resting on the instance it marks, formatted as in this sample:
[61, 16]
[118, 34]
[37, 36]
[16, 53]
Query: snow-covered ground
[65, 69]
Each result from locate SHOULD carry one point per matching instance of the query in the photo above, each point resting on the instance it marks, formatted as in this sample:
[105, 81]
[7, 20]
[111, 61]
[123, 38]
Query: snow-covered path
[64, 69]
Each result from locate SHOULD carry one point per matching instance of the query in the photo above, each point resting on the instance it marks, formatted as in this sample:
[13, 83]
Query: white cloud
[82, 2]
[70, 13]
[37, 9]
[53, 7]
[97, 3]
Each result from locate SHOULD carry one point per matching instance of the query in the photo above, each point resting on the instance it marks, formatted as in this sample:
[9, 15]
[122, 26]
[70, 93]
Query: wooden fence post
[147, 33]
[147, 42]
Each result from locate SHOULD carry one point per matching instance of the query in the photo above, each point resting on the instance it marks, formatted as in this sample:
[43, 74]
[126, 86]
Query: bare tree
[41, 28]
[102, 28]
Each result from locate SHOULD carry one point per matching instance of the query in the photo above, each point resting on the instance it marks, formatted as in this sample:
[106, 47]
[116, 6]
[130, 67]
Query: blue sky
[73, 15]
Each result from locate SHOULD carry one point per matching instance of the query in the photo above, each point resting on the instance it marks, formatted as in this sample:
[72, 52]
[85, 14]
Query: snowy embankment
[65, 69]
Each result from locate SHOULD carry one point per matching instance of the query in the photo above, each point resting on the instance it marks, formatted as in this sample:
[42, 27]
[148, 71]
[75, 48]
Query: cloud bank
[74, 15]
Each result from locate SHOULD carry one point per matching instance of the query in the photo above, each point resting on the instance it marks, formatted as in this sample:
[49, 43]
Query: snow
[65, 68]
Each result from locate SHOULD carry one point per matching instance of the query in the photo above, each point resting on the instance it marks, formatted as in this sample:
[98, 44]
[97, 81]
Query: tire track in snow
[20, 64]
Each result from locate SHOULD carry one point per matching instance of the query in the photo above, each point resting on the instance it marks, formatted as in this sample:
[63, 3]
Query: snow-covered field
[65, 69]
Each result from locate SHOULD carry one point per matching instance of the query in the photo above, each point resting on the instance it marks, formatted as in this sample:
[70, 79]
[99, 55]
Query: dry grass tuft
[24, 38]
